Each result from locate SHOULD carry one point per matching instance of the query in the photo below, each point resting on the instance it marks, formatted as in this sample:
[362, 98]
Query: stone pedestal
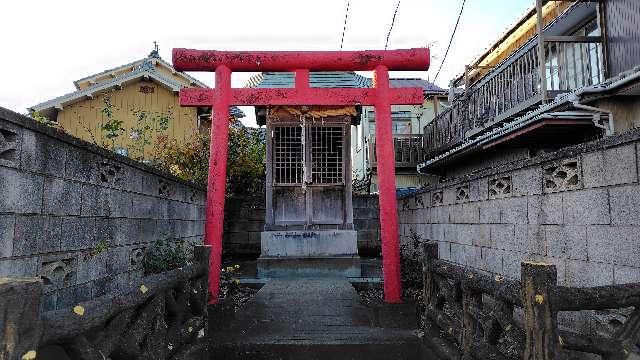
[309, 253]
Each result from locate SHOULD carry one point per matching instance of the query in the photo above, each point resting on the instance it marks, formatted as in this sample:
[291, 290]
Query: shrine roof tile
[335, 79]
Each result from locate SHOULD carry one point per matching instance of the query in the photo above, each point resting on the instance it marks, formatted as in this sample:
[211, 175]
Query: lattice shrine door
[309, 168]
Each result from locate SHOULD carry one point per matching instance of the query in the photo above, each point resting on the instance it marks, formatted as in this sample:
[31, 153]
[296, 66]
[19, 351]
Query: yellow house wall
[84, 119]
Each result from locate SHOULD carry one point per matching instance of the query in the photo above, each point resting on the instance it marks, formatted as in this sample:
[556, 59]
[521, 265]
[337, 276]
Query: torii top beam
[259, 61]
[301, 62]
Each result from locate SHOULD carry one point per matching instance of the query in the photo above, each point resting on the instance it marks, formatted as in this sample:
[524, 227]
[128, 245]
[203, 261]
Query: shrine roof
[335, 79]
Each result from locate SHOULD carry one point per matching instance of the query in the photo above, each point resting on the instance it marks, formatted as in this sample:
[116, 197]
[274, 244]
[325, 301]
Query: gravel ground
[238, 295]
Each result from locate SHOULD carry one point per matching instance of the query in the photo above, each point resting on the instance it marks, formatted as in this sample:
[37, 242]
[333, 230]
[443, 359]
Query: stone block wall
[244, 221]
[366, 220]
[81, 217]
[578, 208]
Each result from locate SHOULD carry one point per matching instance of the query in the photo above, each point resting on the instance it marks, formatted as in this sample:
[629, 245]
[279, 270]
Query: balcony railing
[513, 87]
[407, 148]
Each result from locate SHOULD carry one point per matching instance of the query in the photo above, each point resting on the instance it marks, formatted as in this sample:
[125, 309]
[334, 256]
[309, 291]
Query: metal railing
[513, 87]
[408, 150]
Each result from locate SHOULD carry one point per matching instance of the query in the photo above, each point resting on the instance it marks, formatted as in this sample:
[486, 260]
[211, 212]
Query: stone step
[306, 351]
[314, 318]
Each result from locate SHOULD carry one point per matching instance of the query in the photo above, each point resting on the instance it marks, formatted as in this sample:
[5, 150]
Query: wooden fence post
[470, 298]
[538, 286]
[429, 253]
[20, 322]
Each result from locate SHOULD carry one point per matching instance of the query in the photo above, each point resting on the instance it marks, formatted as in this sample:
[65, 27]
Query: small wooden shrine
[309, 215]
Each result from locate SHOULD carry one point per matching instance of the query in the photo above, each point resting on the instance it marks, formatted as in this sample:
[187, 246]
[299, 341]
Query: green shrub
[166, 253]
[190, 160]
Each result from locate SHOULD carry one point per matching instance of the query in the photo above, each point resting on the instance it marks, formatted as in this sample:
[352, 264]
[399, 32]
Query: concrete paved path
[310, 318]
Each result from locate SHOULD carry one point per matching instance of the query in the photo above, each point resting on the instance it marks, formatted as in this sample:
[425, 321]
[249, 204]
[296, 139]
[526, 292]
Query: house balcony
[408, 150]
[514, 87]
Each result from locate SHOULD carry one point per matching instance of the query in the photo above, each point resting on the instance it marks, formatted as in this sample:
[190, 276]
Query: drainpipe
[608, 129]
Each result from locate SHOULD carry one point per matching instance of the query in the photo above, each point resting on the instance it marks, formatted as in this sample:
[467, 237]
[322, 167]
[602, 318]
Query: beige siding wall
[520, 36]
[84, 119]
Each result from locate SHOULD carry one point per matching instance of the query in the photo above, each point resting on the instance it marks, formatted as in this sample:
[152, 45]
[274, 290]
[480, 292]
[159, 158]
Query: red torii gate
[301, 62]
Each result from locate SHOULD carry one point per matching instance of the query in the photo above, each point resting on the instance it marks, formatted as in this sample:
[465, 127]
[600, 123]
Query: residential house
[408, 122]
[407, 126]
[141, 93]
[563, 75]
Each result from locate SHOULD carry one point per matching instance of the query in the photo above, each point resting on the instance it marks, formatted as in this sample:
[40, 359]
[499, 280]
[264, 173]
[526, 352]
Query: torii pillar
[301, 62]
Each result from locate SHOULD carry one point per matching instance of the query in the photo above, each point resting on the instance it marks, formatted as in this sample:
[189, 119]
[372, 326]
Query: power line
[391, 27]
[450, 40]
[344, 29]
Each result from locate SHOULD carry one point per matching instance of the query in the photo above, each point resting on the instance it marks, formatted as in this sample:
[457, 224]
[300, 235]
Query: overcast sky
[48, 44]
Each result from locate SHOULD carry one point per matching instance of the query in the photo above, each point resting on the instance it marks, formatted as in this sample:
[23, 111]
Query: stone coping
[573, 150]
[28, 123]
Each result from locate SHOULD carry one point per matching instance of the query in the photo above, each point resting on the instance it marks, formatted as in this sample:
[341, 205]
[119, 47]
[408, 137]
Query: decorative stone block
[59, 273]
[500, 187]
[405, 204]
[419, 204]
[166, 188]
[136, 257]
[563, 175]
[10, 138]
[436, 198]
[109, 173]
[462, 193]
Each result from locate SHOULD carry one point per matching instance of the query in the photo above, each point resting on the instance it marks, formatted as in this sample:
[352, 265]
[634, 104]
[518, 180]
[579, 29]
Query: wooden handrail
[537, 293]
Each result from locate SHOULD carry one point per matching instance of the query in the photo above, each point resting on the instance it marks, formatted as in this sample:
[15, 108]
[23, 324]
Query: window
[324, 147]
[400, 122]
[398, 126]
[572, 65]
[326, 154]
[287, 155]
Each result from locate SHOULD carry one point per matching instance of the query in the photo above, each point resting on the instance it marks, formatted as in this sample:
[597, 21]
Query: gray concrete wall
[578, 208]
[63, 199]
[244, 221]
